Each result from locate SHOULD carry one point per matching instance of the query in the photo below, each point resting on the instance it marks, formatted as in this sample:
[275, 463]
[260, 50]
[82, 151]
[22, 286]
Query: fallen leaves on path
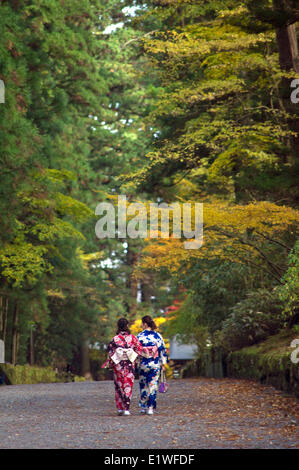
[199, 413]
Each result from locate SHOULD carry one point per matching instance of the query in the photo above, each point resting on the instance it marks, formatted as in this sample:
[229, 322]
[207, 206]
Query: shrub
[289, 291]
[26, 374]
[252, 320]
[97, 358]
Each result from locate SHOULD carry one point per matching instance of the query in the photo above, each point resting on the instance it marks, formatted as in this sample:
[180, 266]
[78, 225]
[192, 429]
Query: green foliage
[16, 375]
[252, 320]
[289, 291]
[51, 60]
[270, 363]
[220, 107]
[186, 325]
[210, 295]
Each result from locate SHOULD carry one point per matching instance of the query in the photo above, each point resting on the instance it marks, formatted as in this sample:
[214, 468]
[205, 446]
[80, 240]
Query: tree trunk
[17, 345]
[14, 344]
[85, 362]
[1, 316]
[288, 47]
[4, 318]
[289, 61]
[31, 354]
[146, 289]
[132, 281]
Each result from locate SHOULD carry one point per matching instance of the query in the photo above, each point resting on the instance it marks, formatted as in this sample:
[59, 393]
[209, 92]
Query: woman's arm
[163, 356]
[137, 346]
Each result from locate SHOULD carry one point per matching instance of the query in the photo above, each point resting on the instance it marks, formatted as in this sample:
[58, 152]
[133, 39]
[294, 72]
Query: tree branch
[275, 268]
[138, 39]
[274, 241]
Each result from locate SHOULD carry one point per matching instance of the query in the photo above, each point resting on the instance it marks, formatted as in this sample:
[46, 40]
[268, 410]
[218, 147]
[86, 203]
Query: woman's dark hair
[149, 321]
[122, 325]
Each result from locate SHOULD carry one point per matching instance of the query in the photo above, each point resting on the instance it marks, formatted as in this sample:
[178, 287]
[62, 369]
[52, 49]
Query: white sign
[2, 352]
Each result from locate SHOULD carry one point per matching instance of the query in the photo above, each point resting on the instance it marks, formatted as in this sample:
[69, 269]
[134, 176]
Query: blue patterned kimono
[149, 368]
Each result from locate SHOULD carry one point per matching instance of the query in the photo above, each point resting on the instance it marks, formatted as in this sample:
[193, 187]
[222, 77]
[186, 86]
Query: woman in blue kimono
[150, 367]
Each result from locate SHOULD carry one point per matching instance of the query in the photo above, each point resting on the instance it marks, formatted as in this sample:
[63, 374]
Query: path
[193, 414]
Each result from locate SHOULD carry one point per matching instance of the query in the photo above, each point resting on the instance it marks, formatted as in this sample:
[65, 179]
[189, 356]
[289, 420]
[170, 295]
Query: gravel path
[193, 414]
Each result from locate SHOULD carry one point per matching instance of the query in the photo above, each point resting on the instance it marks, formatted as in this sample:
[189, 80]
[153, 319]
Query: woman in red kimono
[123, 351]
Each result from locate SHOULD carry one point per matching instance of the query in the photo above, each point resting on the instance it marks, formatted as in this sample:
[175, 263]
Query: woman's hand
[163, 367]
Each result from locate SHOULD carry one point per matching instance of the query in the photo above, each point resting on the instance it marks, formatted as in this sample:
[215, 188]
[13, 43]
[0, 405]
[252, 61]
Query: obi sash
[149, 351]
[123, 354]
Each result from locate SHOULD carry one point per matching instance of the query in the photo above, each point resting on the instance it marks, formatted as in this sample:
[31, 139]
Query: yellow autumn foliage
[225, 234]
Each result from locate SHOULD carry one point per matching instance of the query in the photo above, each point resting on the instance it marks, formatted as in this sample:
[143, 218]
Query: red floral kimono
[123, 351]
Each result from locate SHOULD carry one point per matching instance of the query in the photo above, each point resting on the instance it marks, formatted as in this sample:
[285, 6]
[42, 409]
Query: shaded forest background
[163, 101]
